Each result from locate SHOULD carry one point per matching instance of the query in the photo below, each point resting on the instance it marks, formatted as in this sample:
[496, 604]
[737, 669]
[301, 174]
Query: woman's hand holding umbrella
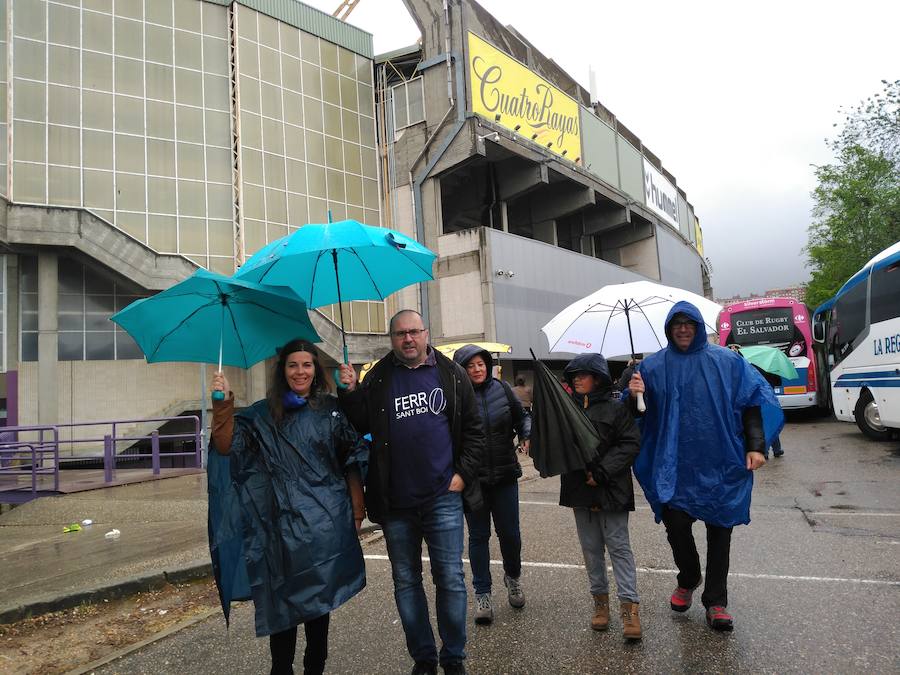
[219, 386]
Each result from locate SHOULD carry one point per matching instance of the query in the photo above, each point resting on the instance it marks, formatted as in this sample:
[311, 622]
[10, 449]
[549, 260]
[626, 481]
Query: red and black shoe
[681, 599]
[718, 618]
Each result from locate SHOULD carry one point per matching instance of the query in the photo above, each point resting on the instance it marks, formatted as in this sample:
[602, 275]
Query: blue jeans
[440, 524]
[501, 501]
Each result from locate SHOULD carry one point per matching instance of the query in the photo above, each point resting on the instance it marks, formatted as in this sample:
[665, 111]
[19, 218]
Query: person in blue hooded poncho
[282, 516]
[703, 435]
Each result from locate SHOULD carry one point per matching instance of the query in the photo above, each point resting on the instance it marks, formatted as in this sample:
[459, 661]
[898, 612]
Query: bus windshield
[782, 323]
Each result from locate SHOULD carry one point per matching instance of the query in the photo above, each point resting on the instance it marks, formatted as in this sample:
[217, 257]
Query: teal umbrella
[771, 360]
[209, 317]
[331, 263]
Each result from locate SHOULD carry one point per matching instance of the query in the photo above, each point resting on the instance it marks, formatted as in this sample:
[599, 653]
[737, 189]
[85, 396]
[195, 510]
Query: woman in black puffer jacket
[503, 417]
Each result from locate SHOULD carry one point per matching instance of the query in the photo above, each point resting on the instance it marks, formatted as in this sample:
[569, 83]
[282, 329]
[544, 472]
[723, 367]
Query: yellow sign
[698, 234]
[507, 93]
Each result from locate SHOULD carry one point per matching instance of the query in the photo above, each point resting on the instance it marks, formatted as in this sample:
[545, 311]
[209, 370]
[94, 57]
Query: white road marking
[874, 514]
[849, 514]
[649, 570]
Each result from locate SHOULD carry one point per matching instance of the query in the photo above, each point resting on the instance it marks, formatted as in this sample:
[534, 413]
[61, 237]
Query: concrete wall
[545, 280]
[679, 262]
[110, 390]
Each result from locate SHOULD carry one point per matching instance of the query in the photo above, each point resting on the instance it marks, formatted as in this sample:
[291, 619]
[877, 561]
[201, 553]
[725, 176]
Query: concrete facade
[147, 139]
[522, 227]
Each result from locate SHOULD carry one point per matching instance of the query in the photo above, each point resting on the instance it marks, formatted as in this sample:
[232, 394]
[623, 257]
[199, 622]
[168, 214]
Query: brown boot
[600, 620]
[631, 622]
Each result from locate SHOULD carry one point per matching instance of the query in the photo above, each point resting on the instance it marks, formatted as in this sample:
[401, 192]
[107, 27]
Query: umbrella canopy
[622, 319]
[371, 263]
[209, 317]
[770, 360]
[562, 437]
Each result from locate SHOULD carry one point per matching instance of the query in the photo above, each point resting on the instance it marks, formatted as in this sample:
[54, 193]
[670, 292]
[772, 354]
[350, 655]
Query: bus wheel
[868, 420]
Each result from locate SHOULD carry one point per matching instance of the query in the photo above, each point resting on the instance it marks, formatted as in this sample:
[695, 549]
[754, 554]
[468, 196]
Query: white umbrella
[622, 319]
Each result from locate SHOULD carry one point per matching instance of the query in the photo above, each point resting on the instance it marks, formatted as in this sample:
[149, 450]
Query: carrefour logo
[725, 325]
[420, 403]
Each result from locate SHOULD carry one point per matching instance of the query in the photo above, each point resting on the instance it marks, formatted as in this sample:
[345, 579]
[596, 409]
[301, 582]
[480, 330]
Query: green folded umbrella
[771, 360]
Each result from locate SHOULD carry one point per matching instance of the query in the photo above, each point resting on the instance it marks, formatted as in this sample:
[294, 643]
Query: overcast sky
[736, 99]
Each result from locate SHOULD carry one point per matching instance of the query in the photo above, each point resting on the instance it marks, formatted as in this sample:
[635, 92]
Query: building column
[48, 338]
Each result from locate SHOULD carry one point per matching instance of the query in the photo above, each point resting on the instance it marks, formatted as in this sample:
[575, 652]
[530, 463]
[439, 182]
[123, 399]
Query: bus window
[885, 293]
[849, 319]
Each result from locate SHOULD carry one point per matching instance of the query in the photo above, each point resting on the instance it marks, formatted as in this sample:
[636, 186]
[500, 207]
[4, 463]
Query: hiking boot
[514, 590]
[455, 668]
[484, 609]
[600, 620]
[631, 622]
[681, 599]
[719, 619]
[424, 668]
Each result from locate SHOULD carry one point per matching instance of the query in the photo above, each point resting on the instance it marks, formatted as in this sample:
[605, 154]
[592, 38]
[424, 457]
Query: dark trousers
[283, 645]
[687, 560]
[502, 503]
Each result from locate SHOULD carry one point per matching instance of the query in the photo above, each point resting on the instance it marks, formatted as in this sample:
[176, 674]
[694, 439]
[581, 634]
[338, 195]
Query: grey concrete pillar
[48, 336]
[256, 382]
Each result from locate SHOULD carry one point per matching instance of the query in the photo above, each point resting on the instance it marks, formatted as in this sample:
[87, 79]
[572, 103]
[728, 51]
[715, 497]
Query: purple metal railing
[37, 449]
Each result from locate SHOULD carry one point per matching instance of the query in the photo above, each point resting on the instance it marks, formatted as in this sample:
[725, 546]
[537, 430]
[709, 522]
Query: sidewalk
[163, 539]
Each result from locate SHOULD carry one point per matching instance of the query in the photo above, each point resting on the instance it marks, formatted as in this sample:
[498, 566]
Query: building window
[409, 103]
[86, 301]
[28, 308]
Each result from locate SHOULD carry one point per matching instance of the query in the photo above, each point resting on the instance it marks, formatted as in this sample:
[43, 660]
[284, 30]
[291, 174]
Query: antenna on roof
[592, 83]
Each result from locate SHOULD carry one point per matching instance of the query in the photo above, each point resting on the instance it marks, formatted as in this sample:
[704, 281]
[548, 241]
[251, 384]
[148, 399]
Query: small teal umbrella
[771, 360]
[330, 263]
[209, 317]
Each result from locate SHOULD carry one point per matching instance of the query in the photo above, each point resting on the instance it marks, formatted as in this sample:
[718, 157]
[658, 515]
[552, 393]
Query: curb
[128, 586]
[132, 585]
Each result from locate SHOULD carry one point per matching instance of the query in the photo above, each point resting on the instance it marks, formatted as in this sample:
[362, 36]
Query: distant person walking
[427, 447]
[503, 417]
[300, 494]
[602, 495]
[524, 393]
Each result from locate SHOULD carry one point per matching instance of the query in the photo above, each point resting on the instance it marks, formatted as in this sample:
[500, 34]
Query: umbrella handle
[337, 371]
[641, 406]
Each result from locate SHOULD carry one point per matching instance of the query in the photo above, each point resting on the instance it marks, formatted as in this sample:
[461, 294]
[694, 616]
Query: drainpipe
[458, 103]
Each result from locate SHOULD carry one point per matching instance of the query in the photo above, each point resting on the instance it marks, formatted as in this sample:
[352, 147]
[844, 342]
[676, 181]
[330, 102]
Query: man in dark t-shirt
[428, 443]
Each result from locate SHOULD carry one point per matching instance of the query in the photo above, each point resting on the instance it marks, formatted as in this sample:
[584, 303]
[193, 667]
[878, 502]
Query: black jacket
[620, 443]
[368, 408]
[503, 417]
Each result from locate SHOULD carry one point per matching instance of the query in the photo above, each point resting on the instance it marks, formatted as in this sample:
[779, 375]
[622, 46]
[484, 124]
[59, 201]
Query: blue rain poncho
[692, 454]
[281, 524]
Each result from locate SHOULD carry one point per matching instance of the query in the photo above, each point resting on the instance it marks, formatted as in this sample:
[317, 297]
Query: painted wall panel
[679, 264]
[631, 168]
[599, 143]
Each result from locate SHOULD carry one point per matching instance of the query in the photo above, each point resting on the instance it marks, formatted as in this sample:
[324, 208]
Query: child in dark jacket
[602, 495]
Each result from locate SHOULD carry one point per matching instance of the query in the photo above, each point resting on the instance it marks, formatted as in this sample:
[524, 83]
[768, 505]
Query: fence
[35, 449]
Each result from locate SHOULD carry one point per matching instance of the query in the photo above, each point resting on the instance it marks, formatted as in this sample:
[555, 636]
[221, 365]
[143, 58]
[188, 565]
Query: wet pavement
[814, 587]
[162, 527]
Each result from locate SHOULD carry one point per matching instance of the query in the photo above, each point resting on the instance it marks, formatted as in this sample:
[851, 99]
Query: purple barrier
[45, 446]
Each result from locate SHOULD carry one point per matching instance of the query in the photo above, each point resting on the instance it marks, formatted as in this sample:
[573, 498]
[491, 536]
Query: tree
[857, 200]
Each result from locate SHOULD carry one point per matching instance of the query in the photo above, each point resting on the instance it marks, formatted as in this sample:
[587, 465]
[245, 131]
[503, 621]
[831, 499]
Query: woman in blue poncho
[298, 497]
[702, 437]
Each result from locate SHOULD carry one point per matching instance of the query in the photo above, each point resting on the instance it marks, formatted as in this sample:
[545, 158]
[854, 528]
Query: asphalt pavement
[814, 587]
[814, 584]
